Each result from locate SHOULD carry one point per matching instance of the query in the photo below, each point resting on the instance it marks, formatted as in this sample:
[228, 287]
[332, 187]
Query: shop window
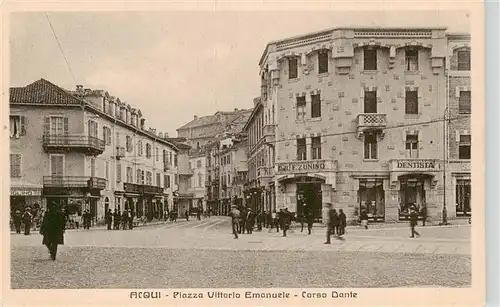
[464, 147]
[463, 196]
[370, 146]
[15, 165]
[301, 149]
[371, 197]
[301, 108]
[463, 58]
[411, 194]
[411, 102]
[370, 101]
[315, 106]
[464, 105]
[370, 58]
[323, 62]
[293, 70]
[411, 59]
[316, 148]
[412, 146]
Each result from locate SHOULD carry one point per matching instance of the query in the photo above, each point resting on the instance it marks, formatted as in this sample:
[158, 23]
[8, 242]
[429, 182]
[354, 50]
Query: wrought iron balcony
[74, 182]
[265, 172]
[141, 188]
[132, 188]
[371, 121]
[120, 152]
[151, 189]
[72, 142]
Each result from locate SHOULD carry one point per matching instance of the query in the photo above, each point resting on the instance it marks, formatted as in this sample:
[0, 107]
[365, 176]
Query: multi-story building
[197, 164]
[184, 196]
[85, 149]
[358, 121]
[459, 124]
[260, 129]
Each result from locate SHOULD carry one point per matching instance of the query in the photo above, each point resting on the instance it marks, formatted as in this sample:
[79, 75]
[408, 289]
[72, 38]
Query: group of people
[116, 219]
[335, 223]
[27, 219]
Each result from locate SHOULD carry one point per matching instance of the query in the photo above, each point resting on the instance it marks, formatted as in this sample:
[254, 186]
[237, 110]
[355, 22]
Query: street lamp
[445, 161]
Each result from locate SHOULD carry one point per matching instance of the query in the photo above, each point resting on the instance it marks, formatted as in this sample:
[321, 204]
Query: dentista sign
[415, 165]
[301, 167]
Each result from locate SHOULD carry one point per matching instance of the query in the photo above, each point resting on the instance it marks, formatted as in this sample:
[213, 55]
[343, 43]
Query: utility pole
[445, 162]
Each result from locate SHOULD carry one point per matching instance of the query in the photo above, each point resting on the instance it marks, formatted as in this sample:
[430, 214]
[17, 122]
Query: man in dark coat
[250, 221]
[109, 219]
[243, 220]
[413, 222]
[124, 219]
[17, 219]
[260, 220]
[235, 220]
[52, 229]
[330, 228]
[286, 220]
[187, 215]
[310, 221]
[342, 223]
[116, 220]
[423, 212]
[27, 218]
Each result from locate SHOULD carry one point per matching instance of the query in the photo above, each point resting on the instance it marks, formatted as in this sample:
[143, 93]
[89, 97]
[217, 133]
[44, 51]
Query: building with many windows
[355, 117]
[85, 149]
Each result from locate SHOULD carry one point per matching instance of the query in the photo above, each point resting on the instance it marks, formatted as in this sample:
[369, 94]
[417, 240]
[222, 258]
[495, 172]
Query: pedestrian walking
[342, 222]
[310, 221]
[243, 220]
[198, 214]
[52, 229]
[27, 218]
[109, 219]
[413, 223]
[364, 219]
[250, 221]
[423, 213]
[186, 215]
[130, 219]
[260, 220]
[330, 219]
[17, 219]
[286, 221]
[235, 220]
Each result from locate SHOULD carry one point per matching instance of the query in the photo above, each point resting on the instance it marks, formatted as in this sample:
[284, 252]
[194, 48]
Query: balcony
[186, 171]
[166, 167]
[74, 182]
[120, 152]
[151, 189]
[269, 132]
[306, 166]
[265, 172]
[141, 189]
[132, 188]
[71, 142]
[371, 121]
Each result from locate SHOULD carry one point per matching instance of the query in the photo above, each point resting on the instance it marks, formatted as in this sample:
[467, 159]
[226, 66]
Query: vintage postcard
[220, 154]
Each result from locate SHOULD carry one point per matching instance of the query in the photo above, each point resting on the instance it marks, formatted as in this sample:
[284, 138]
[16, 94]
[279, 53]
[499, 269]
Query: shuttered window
[15, 165]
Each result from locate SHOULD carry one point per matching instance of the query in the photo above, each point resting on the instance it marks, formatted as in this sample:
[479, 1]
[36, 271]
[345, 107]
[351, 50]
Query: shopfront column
[391, 201]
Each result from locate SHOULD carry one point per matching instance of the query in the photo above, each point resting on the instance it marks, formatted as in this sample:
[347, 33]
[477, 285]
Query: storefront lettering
[301, 167]
[416, 164]
[25, 193]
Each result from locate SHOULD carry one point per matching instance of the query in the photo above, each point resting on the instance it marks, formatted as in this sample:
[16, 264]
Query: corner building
[358, 120]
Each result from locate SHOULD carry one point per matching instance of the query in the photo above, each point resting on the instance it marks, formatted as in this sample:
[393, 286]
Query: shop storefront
[22, 197]
[371, 198]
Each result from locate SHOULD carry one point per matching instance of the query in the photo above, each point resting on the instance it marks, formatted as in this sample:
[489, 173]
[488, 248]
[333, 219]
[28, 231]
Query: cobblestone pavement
[203, 254]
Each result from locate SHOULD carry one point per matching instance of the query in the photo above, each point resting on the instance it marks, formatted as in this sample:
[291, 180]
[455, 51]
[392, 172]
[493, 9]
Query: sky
[174, 65]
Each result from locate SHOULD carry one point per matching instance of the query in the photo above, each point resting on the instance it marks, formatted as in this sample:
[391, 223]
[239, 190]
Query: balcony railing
[264, 171]
[151, 189]
[120, 152]
[372, 120]
[74, 182]
[305, 166]
[90, 144]
[141, 188]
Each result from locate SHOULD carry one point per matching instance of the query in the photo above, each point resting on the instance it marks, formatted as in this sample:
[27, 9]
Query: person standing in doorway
[27, 218]
[235, 220]
[52, 229]
[342, 223]
[329, 223]
[413, 222]
[109, 219]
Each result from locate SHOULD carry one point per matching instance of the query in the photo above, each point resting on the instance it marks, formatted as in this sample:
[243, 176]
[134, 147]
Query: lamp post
[445, 161]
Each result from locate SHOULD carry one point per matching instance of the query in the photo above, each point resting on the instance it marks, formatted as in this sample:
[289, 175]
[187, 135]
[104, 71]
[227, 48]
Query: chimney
[160, 135]
[195, 117]
[79, 88]
[143, 123]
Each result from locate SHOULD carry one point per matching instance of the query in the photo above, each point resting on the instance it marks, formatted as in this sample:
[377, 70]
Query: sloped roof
[42, 92]
[212, 119]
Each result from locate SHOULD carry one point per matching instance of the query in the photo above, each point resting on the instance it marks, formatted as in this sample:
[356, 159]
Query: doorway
[309, 199]
[411, 193]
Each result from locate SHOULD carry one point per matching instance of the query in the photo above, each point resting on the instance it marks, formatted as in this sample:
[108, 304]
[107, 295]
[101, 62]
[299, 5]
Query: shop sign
[415, 165]
[301, 167]
[25, 192]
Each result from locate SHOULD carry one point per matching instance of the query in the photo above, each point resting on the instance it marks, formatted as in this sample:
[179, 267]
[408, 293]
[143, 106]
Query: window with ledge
[157, 154]
[198, 164]
[301, 108]
[370, 102]
[412, 146]
[17, 125]
[316, 148]
[106, 131]
[129, 143]
[166, 181]
[118, 172]
[411, 59]
[158, 179]
[371, 147]
[411, 102]
[149, 178]
[139, 148]
[315, 106]
[370, 58]
[148, 150]
[293, 69]
[301, 149]
[464, 102]
[322, 62]
[463, 60]
[464, 147]
[130, 178]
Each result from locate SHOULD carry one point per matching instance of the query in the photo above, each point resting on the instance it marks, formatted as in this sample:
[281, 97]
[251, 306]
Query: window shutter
[23, 125]
[46, 126]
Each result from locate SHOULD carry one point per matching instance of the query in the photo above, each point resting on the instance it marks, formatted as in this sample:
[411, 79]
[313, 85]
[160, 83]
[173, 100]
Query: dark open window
[370, 58]
[463, 57]
[315, 106]
[316, 148]
[301, 107]
[322, 62]
[411, 58]
[370, 100]
[411, 102]
[464, 106]
[464, 147]
[292, 68]
[412, 146]
[301, 149]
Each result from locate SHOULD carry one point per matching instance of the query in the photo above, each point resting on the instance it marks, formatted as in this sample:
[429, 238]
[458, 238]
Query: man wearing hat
[250, 220]
[235, 216]
[17, 218]
[27, 217]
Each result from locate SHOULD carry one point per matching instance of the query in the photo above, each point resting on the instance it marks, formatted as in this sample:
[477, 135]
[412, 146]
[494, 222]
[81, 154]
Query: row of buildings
[373, 118]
